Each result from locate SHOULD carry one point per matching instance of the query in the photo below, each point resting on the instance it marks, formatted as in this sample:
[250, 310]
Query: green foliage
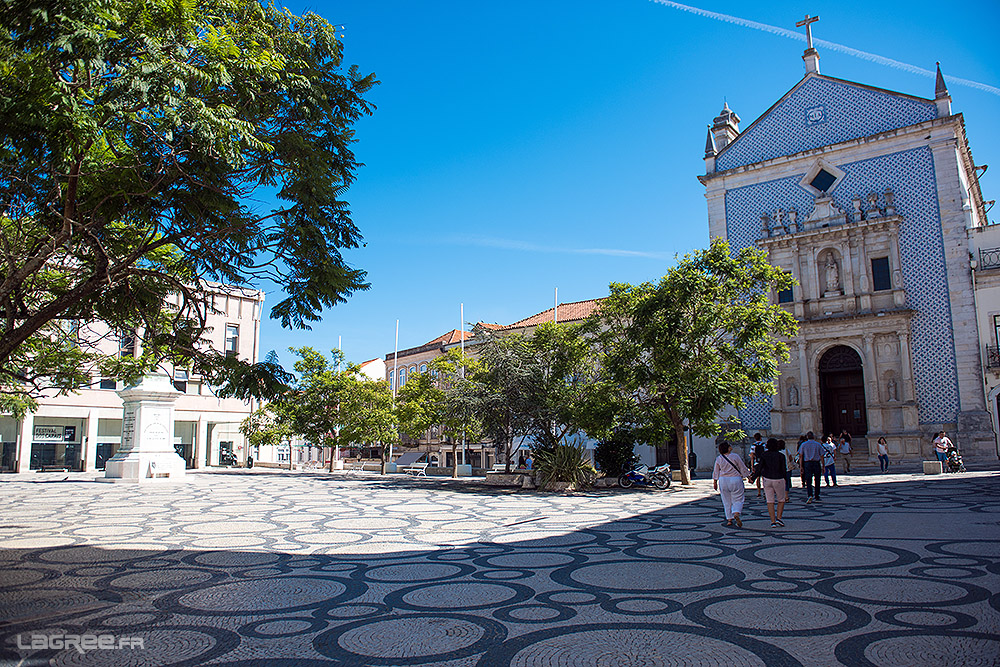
[134, 134]
[564, 393]
[704, 337]
[613, 455]
[563, 463]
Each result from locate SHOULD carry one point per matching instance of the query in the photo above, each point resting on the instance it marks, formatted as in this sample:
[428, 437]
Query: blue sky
[528, 145]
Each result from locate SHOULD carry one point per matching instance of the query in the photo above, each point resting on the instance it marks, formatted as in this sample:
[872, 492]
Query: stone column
[200, 443]
[147, 453]
[26, 435]
[89, 454]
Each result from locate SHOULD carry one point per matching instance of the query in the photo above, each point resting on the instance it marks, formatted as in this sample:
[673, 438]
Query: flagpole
[461, 335]
[395, 376]
[340, 355]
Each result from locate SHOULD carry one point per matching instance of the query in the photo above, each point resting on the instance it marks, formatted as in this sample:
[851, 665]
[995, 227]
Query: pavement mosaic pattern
[277, 568]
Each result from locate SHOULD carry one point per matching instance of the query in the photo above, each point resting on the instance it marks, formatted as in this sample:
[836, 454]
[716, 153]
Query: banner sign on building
[48, 434]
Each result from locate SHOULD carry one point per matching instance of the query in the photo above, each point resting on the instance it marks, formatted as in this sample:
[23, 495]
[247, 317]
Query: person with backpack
[773, 466]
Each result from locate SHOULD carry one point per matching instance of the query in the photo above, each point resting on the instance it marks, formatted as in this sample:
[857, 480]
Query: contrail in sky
[833, 46]
[507, 244]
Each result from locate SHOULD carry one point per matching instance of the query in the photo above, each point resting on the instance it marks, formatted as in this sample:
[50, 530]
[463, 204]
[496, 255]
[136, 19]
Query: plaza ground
[278, 568]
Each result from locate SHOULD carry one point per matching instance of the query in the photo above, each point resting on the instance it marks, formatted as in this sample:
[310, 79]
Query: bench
[502, 467]
[374, 466]
[415, 469]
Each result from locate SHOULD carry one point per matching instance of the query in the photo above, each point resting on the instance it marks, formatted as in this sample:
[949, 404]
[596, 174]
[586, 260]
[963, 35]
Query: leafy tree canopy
[706, 336]
[134, 134]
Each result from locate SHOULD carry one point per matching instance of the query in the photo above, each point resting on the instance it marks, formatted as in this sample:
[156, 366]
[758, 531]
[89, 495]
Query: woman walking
[772, 470]
[727, 479]
[883, 455]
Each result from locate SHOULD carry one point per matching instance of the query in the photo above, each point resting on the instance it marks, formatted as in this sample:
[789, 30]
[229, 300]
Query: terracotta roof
[488, 325]
[453, 336]
[365, 363]
[568, 312]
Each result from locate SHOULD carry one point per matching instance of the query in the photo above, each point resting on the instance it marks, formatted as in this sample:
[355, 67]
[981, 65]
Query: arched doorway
[842, 392]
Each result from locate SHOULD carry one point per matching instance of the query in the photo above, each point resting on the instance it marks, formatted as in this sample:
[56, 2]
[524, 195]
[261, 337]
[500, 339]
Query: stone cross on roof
[807, 22]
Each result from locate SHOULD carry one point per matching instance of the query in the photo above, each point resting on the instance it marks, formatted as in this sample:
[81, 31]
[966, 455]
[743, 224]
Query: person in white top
[727, 479]
[883, 455]
[941, 445]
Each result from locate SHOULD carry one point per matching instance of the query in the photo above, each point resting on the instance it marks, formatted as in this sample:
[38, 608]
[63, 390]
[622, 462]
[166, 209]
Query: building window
[423, 368]
[392, 380]
[785, 296]
[180, 379]
[996, 330]
[402, 376]
[108, 383]
[232, 339]
[126, 344]
[823, 180]
[881, 278]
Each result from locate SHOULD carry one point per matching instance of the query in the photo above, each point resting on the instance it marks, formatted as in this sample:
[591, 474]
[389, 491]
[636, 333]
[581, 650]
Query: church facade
[867, 197]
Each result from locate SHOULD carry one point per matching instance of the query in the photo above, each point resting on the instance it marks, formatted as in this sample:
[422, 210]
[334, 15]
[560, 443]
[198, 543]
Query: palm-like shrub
[564, 463]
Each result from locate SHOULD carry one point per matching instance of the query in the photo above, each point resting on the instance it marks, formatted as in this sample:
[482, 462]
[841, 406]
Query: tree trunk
[382, 457]
[454, 460]
[331, 459]
[682, 453]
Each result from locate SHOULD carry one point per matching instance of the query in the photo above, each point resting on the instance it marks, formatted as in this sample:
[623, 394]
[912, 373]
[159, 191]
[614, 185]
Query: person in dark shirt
[773, 467]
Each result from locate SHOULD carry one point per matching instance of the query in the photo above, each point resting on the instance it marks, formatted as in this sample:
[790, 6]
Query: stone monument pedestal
[147, 452]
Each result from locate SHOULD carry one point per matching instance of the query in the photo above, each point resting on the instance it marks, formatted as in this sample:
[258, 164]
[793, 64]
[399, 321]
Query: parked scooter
[643, 475]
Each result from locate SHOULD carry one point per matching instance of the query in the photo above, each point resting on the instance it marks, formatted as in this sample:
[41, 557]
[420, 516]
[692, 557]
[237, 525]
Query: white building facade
[81, 431]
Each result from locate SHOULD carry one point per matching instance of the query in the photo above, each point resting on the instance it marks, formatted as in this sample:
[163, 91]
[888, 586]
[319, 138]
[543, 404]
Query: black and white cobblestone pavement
[277, 568]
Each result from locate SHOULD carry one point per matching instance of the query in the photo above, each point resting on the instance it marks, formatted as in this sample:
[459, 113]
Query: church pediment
[820, 111]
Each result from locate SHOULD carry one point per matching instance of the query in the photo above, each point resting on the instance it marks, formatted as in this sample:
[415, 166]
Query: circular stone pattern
[412, 572]
[834, 556]
[532, 559]
[919, 647]
[160, 580]
[646, 644]
[258, 596]
[900, 590]
[647, 577]
[776, 615]
[458, 595]
[410, 639]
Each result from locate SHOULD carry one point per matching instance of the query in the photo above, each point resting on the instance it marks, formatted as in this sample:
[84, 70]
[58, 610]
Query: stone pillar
[147, 453]
[201, 443]
[89, 454]
[26, 435]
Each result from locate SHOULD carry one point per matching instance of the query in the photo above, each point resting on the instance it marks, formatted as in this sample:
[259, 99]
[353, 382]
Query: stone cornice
[955, 120]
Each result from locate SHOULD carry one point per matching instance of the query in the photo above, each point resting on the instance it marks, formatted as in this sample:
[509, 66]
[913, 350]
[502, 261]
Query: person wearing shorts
[773, 468]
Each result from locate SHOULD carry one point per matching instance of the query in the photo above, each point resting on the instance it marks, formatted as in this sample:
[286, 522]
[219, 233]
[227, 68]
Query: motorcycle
[643, 475]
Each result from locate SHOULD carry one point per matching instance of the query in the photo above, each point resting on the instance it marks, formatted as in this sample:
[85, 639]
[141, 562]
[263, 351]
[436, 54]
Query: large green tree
[446, 398]
[706, 336]
[138, 137]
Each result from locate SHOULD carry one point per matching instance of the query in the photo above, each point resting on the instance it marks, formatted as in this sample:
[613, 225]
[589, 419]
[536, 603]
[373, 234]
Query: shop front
[56, 446]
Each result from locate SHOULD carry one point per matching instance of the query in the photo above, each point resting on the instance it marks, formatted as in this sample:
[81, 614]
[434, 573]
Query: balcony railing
[992, 357]
[989, 258]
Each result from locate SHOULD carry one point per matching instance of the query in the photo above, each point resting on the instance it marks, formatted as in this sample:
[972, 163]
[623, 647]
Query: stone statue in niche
[832, 276]
[891, 390]
[793, 394]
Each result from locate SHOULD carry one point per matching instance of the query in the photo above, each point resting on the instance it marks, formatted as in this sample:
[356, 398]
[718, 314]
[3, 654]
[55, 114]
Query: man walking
[811, 455]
